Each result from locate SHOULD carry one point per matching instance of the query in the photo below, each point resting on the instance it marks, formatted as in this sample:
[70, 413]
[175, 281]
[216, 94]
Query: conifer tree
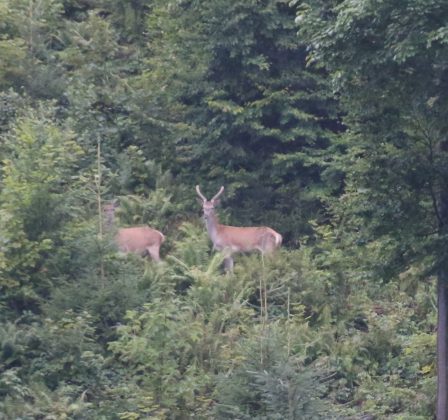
[388, 63]
[254, 117]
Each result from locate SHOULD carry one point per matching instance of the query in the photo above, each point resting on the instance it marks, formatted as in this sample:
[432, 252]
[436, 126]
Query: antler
[217, 195]
[200, 194]
[213, 199]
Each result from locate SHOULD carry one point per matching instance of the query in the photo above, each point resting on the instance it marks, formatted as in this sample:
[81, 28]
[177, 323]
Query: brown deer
[137, 239]
[232, 239]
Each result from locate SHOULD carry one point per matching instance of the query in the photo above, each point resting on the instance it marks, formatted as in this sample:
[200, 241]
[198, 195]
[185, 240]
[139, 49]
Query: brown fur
[231, 239]
[137, 239]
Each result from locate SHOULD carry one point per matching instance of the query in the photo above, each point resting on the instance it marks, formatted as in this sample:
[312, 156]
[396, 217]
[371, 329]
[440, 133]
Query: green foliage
[387, 62]
[162, 355]
[138, 101]
[277, 385]
[258, 119]
[29, 31]
[393, 155]
[42, 161]
[47, 368]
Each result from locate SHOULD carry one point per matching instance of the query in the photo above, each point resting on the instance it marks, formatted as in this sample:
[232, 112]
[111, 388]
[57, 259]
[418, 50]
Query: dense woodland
[325, 120]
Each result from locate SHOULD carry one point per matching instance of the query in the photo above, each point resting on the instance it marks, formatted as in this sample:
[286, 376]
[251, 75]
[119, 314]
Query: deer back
[244, 239]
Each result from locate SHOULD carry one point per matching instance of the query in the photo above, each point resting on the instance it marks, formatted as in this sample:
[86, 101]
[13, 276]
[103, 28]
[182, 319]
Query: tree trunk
[442, 345]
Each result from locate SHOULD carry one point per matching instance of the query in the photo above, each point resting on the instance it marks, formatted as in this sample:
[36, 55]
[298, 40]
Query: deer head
[208, 206]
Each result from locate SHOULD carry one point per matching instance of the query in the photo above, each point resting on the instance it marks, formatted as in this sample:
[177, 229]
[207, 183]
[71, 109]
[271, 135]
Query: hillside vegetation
[324, 120]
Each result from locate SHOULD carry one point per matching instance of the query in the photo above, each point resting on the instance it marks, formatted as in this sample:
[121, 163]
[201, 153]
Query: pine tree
[388, 65]
[256, 117]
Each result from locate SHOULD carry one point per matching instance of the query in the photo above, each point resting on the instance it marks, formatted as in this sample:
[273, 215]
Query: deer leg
[268, 245]
[228, 260]
[153, 251]
[228, 264]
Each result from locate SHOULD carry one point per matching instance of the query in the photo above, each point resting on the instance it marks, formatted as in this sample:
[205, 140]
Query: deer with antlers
[137, 239]
[232, 239]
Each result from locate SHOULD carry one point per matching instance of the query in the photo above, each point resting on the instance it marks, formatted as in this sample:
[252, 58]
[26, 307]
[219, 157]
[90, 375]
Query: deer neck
[212, 224]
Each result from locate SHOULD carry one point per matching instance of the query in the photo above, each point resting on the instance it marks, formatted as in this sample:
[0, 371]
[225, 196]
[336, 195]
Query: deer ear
[217, 202]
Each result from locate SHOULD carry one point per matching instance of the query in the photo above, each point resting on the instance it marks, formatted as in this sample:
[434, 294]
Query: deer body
[137, 239]
[232, 239]
[263, 239]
